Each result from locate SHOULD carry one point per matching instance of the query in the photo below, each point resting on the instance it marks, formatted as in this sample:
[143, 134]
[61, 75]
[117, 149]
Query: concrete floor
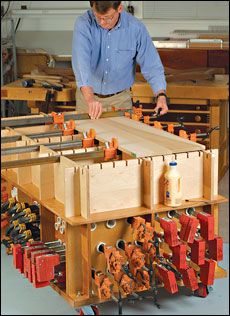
[19, 297]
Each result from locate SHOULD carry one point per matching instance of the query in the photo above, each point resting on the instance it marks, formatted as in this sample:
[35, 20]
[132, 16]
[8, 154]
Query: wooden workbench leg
[223, 140]
[86, 259]
[34, 109]
[74, 268]
[215, 213]
[47, 219]
[214, 121]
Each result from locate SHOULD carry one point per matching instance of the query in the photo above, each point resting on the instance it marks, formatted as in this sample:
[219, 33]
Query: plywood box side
[46, 185]
[71, 192]
[115, 186]
[210, 185]
[35, 129]
[147, 166]
[190, 166]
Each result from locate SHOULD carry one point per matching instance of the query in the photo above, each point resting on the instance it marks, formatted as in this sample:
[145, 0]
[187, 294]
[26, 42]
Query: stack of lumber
[52, 76]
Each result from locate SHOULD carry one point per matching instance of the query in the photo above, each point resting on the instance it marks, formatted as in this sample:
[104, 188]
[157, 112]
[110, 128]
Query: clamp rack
[105, 232]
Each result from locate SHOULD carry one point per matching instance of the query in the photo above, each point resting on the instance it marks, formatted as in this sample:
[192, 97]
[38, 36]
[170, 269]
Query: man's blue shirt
[106, 59]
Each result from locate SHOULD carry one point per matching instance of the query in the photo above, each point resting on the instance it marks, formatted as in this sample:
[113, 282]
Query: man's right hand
[95, 109]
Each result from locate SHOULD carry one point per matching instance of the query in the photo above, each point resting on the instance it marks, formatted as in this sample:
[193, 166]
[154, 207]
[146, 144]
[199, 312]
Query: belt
[107, 95]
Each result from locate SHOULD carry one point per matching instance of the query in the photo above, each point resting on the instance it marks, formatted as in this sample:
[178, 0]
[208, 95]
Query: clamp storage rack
[103, 204]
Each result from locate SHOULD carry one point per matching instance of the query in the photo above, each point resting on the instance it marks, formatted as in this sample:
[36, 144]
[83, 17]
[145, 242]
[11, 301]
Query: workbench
[203, 104]
[101, 201]
[35, 95]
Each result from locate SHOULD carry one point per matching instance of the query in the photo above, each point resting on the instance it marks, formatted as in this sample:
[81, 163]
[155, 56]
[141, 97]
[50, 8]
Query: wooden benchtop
[138, 139]
[213, 90]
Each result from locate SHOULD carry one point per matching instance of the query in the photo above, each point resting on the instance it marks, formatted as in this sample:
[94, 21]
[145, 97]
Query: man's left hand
[161, 103]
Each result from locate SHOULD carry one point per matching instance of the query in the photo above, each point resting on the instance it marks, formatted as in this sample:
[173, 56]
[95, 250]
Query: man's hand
[95, 109]
[161, 103]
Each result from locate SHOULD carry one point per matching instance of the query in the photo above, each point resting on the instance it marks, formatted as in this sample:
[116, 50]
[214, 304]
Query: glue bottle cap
[173, 163]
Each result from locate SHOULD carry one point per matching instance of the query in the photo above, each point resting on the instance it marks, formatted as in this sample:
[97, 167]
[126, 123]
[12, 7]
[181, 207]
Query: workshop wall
[51, 26]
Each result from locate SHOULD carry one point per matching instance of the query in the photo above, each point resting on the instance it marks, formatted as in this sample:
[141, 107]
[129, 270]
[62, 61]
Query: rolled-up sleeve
[81, 52]
[149, 61]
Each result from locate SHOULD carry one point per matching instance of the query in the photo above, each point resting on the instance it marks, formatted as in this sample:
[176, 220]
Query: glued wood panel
[137, 139]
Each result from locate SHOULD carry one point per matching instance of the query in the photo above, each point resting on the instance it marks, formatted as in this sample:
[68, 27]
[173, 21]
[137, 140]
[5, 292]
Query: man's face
[109, 19]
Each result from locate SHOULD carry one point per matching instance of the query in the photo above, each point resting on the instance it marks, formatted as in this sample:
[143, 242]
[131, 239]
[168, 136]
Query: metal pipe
[54, 146]
[51, 159]
[49, 119]
[53, 242]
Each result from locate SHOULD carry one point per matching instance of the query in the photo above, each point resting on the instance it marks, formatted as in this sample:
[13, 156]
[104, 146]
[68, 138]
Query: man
[107, 44]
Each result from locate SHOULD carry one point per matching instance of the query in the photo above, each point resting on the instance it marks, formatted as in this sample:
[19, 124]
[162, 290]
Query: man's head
[106, 12]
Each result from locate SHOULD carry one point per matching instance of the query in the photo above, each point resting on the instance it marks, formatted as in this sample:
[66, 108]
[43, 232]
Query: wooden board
[138, 139]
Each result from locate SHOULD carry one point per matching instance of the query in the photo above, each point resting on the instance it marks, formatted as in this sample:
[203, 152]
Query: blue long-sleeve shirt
[106, 59]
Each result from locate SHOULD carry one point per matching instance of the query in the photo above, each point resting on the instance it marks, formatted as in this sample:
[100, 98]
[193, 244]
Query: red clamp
[135, 117]
[110, 150]
[141, 230]
[206, 225]
[198, 251]
[18, 257]
[58, 118]
[207, 272]
[88, 139]
[45, 266]
[157, 125]
[66, 127]
[170, 231]
[34, 255]
[183, 134]
[27, 259]
[189, 278]
[125, 283]
[170, 128]
[150, 252]
[147, 119]
[143, 280]
[103, 285]
[127, 114]
[188, 228]
[193, 137]
[136, 258]
[179, 256]
[168, 278]
[114, 259]
[137, 112]
[215, 248]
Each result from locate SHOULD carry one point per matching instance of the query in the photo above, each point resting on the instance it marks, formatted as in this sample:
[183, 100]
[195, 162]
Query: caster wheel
[89, 310]
[202, 291]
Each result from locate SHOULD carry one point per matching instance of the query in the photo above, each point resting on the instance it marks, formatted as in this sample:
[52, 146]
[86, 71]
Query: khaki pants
[119, 101]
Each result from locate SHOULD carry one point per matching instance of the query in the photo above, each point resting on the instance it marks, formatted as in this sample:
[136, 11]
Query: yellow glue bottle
[172, 186]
